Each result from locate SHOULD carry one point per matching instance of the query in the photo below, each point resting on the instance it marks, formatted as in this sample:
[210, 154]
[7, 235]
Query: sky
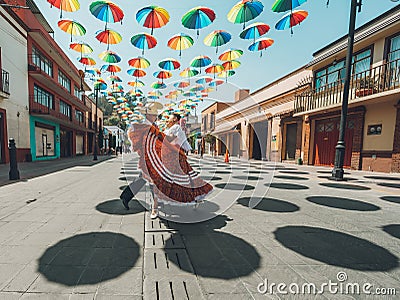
[289, 51]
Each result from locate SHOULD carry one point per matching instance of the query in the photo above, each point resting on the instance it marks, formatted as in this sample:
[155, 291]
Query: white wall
[15, 61]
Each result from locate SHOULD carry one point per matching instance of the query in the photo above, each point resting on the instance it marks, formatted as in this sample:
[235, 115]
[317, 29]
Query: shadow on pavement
[393, 230]
[393, 199]
[208, 178]
[343, 203]
[287, 186]
[251, 178]
[234, 186]
[215, 254]
[336, 248]
[345, 186]
[89, 258]
[294, 172]
[290, 177]
[382, 178]
[115, 207]
[388, 184]
[270, 204]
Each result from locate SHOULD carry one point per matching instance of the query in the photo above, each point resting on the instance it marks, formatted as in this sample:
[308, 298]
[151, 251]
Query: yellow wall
[381, 113]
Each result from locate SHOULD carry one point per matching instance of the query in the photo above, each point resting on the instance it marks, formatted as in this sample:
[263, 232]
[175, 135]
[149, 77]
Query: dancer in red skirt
[164, 164]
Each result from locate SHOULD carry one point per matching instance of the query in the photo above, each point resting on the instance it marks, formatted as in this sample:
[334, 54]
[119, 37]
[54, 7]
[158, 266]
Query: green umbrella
[285, 5]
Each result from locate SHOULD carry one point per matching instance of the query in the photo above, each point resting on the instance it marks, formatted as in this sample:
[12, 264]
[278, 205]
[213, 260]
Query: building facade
[14, 104]
[372, 135]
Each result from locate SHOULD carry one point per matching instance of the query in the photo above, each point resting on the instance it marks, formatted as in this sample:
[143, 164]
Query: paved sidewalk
[38, 168]
[67, 236]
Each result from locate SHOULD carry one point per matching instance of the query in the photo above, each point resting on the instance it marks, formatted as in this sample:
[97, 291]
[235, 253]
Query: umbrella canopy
[136, 72]
[231, 54]
[180, 42]
[111, 68]
[99, 85]
[198, 17]
[152, 17]
[244, 11]
[196, 88]
[65, 5]
[226, 74]
[82, 48]
[189, 94]
[291, 19]
[231, 64]
[200, 61]
[254, 31]
[188, 72]
[169, 64]
[106, 11]
[217, 38]
[285, 5]
[136, 83]
[214, 69]
[72, 27]
[87, 61]
[261, 44]
[155, 93]
[114, 78]
[143, 41]
[204, 80]
[108, 37]
[181, 84]
[110, 57]
[162, 75]
[216, 82]
[139, 62]
[158, 85]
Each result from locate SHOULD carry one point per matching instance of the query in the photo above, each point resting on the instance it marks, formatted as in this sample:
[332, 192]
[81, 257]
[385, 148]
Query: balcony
[378, 82]
[4, 85]
[52, 114]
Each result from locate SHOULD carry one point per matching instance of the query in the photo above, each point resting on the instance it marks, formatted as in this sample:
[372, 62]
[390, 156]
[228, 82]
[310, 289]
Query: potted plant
[366, 86]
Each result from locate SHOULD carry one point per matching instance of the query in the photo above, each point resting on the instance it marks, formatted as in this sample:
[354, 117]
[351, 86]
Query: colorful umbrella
[231, 64]
[215, 83]
[152, 17]
[181, 84]
[82, 48]
[284, 5]
[114, 78]
[99, 85]
[110, 68]
[217, 38]
[143, 41]
[139, 62]
[198, 17]
[65, 5]
[261, 44]
[136, 83]
[244, 11]
[204, 80]
[110, 57]
[169, 64]
[214, 69]
[231, 54]
[158, 85]
[155, 93]
[180, 42]
[108, 37]
[136, 72]
[200, 61]
[72, 27]
[254, 31]
[88, 61]
[226, 74]
[188, 72]
[162, 75]
[106, 11]
[196, 88]
[91, 72]
[291, 19]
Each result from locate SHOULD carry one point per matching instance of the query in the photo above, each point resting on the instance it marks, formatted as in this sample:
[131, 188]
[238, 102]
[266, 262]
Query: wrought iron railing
[376, 80]
[5, 82]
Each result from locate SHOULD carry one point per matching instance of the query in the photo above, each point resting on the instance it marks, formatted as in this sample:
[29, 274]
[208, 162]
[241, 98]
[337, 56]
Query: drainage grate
[167, 262]
[163, 240]
[156, 225]
[178, 288]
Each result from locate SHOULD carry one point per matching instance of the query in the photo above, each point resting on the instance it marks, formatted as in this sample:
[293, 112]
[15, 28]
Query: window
[77, 92]
[335, 73]
[79, 116]
[212, 120]
[64, 80]
[205, 123]
[65, 108]
[42, 61]
[394, 49]
[43, 97]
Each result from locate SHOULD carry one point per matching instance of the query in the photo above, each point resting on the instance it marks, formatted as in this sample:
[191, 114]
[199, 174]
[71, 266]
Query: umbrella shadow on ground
[390, 185]
[286, 186]
[345, 186]
[343, 203]
[289, 177]
[393, 199]
[393, 230]
[115, 207]
[89, 258]
[382, 178]
[336, 248]
[269, 204]
[214, 254]
[235, 186]
[294, 172]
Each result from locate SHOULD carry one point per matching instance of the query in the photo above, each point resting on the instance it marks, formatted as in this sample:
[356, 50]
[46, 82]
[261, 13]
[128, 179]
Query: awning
[227, 128]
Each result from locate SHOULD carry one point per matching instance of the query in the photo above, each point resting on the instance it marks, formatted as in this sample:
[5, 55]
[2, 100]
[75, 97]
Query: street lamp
[96, 94]
[338, 172]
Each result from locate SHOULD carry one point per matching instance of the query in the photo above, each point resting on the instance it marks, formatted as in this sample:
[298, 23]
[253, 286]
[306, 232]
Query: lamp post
[338, 172]
[96, 94]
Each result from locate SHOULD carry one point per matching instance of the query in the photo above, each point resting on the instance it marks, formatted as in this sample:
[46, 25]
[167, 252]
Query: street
[66, 235]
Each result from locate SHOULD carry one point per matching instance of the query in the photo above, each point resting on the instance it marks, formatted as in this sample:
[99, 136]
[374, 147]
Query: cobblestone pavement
[66, 236]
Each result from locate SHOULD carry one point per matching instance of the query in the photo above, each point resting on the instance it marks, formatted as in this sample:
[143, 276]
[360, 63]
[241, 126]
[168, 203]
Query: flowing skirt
[166, 167]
